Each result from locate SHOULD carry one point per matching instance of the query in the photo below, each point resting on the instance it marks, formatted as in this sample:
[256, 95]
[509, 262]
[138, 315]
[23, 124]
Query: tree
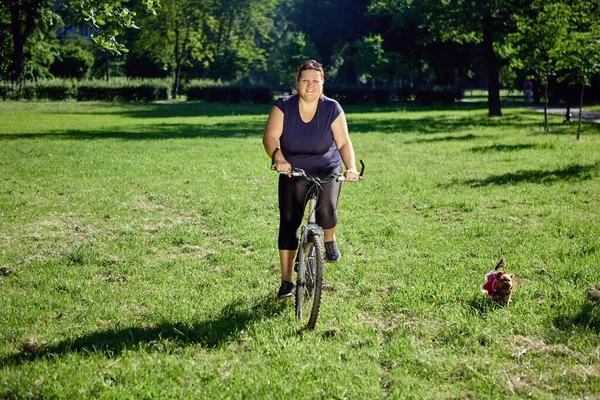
[178, 34]
[483, 22]
[220, 37]
[242, 31]
[108, 17]
[25, 17]
[331, 24]
[579, 55]
[369, 58]
[537, 41]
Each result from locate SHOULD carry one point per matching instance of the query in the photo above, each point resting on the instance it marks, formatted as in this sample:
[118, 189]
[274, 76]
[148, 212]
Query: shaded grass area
[138, 257]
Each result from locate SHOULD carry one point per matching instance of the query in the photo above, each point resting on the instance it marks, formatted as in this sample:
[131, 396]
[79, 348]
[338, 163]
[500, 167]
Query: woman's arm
[339, 127]
[273, 132]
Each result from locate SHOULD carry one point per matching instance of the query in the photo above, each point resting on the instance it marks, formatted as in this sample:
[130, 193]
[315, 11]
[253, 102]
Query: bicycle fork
[311, 228]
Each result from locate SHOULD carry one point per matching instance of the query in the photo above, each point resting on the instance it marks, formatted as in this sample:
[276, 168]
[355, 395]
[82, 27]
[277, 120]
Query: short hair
[308, 65]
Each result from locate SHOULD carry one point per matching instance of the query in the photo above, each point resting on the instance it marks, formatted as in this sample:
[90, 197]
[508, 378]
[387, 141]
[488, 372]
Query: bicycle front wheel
[309, 284]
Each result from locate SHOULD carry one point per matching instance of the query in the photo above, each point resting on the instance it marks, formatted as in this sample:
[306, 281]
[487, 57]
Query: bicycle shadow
[223, 328]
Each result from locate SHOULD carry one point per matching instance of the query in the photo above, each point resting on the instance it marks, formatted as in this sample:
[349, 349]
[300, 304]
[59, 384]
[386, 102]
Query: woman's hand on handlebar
[351, 175]
[282, 166]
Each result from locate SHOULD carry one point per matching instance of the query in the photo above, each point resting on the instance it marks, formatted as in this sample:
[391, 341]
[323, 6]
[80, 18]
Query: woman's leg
[327, 217]
[327, 207]
[292, 196]
[287, 257]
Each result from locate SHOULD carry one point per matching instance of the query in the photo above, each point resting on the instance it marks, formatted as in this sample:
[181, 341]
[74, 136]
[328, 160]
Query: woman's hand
[351, 175]
[283, 166]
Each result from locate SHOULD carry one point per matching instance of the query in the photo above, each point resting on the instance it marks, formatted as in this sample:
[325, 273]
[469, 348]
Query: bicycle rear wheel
[309, 286]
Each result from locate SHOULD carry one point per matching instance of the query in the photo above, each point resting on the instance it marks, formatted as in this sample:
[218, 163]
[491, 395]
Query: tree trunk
[16, 67]
[492, 66]
[177, 55]
[177, 80]
[20, 31]
[580, 112]
[546, 128]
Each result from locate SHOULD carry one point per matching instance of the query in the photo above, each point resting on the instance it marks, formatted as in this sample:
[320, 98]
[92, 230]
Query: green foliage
[579, 55]
[438, 96]
[39, 57]
[538, 40]
[369, 57]
[72, 61]
[228, 93]
[109, 18]
[352, 95]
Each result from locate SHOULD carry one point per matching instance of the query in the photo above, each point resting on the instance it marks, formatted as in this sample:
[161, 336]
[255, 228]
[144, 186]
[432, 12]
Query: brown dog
[498, 284]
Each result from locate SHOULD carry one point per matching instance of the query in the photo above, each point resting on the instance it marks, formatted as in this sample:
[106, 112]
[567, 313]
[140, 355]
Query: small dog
[498, 284]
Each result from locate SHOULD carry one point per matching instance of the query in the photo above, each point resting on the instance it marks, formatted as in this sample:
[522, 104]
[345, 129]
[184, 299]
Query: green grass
[138, 257]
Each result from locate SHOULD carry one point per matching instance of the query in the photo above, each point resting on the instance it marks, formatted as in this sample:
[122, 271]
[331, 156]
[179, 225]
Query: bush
[72, 62]
[50, 89]
[55, 90]
[350, 95]
[438, 96]
[347, 95]
[123, 90]
[7, 90]
[217, 92]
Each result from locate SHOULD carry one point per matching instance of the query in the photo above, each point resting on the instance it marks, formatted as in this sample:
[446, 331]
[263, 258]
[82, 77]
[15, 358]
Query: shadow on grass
[210, 333]
[167, 109]
[445, 121]
[447, 139]
[154, 132]
[588, 318]
[481, 305]
[508, 148]
[570, 173]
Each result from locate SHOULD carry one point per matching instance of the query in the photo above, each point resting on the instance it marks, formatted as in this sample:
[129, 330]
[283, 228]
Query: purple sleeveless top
[310, 146]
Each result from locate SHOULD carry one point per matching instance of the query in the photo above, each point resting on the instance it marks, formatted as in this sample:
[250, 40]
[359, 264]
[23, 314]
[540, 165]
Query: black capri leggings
[293, 196]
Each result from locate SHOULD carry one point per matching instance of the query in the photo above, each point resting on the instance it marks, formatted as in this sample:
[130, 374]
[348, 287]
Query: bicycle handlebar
[336, 177]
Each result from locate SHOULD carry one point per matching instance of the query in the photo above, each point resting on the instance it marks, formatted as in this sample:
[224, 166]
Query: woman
[313, 134]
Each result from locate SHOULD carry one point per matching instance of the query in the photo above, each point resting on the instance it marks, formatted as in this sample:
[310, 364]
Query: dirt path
[593, 116]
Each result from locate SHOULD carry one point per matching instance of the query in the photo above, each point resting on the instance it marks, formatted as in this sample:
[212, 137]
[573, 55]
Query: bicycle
[311, 255]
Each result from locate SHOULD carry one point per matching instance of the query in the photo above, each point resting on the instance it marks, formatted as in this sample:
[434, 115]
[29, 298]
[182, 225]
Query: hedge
[350, 95]
[223, 93]
[438, 96]
[86, 90]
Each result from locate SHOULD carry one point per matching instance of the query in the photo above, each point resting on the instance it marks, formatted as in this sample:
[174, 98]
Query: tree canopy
[417, 43]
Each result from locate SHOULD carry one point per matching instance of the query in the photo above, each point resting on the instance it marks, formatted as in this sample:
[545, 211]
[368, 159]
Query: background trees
[427, 44]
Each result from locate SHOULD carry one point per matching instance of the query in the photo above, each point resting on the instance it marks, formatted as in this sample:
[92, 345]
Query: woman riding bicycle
[312, 132]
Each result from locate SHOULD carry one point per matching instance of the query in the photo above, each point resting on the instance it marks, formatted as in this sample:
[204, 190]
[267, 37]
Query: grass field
[138, 257]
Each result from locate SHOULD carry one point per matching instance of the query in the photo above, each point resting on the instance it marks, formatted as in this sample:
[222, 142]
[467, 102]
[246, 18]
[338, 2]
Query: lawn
[138, 257]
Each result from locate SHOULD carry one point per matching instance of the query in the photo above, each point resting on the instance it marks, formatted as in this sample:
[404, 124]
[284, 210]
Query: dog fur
[499, 284]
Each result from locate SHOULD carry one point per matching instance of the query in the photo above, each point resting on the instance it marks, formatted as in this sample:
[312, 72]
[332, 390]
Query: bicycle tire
[308, 290]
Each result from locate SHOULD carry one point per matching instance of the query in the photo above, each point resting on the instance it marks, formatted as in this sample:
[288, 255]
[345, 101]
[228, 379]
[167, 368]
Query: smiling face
[310, 84]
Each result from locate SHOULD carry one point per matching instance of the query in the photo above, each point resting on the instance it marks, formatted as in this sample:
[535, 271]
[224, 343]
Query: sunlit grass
[138, 257]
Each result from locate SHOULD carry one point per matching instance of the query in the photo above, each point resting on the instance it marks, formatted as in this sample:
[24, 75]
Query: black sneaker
[332, 254]
[287, 289]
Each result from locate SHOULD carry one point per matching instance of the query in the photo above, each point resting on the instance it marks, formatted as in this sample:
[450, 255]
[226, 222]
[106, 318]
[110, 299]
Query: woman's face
[310, 84]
